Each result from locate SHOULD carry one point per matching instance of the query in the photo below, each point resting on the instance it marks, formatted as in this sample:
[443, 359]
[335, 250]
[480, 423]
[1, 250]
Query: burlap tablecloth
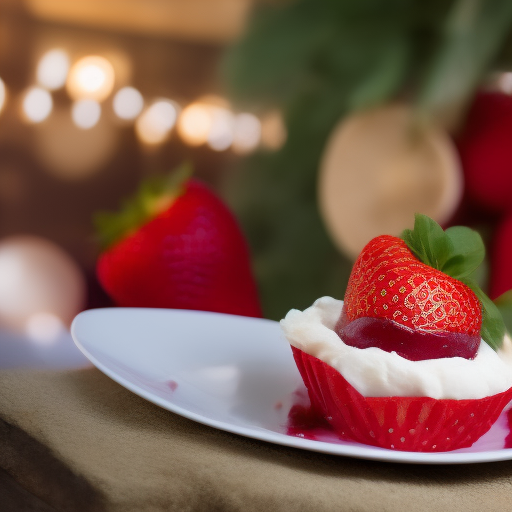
[77, 441]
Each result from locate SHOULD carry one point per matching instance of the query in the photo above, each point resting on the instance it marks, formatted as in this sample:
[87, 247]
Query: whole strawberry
[415, 296]
[176, 245]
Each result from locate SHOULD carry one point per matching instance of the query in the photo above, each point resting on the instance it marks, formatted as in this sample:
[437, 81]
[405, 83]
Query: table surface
[130, 453]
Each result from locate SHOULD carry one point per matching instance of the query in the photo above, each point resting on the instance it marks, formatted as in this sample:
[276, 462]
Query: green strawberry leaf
[428, 241]
[493, 326]
[154, 196]
[468, 252]
[504, 304]
[457, 252]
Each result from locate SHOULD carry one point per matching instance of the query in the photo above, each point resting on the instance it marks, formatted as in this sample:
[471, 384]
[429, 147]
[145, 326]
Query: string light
[37, 104]
[92, 78]
[247, 133]
[195, 123]
[273, 131]
[86, 113]
[221, 133]
[209, 120]
[128, 103]
[155, 123]
[52, 69]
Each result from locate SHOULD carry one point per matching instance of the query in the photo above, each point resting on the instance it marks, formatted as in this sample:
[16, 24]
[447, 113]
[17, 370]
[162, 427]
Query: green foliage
[154, 196]
[367, 50]
[457, 252]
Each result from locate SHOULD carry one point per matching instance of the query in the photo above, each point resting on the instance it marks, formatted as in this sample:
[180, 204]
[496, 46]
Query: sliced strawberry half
[415, 295]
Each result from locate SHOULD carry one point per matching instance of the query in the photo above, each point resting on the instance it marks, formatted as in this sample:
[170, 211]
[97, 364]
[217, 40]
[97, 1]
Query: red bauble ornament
[486, 151]
[501, 269]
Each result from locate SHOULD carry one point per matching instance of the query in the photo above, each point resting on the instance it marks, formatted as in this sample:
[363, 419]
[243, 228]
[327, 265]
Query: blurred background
[320, 124]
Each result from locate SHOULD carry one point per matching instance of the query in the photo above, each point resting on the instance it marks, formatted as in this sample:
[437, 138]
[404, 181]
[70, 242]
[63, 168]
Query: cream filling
[374, 372]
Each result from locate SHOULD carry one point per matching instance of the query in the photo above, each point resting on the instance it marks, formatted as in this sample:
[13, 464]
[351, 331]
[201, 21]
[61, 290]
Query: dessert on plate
[412, 358]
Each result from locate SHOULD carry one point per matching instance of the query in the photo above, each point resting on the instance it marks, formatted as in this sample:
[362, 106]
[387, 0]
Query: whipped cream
[374, 372]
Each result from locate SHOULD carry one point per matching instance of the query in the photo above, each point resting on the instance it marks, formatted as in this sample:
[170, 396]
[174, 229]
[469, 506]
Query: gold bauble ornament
[71, 153]
[379, 169]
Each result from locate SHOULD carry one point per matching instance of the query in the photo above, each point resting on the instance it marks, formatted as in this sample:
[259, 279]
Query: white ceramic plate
[232, 373]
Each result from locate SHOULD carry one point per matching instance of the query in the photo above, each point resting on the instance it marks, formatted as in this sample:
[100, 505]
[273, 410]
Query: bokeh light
[71, 153]
[37, 277]
[155, 123]
[86, 113]
[44, 328]
[37, 104]
[246, 133]
[92, 78]
[195, 123]
[128, 103]
[273, 131]
[505, 82]
[221, 133]
[3, 95]
[52, 69]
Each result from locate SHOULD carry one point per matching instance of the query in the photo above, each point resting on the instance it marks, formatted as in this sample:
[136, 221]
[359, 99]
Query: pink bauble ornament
[41, 287]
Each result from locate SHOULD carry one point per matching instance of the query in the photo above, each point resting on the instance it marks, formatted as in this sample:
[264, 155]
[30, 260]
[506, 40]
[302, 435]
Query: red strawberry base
[420, 424]
[415, 345]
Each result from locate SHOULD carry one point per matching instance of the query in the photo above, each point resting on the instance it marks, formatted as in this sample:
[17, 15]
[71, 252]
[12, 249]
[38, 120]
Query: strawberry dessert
[411, 360]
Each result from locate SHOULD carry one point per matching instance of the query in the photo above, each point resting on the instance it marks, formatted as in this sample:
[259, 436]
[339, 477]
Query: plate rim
[351, 449]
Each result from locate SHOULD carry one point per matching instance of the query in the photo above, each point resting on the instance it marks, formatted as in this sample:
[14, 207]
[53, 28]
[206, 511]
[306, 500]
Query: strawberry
[176, 245]
[414, 295]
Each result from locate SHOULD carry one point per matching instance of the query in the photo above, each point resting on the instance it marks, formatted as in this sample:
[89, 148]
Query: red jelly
[416, 345]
